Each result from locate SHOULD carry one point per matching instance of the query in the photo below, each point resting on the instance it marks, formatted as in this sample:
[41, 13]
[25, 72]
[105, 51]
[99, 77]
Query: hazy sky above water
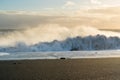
[103, 14]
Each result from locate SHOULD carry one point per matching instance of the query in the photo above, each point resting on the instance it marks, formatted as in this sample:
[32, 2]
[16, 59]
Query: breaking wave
[53, 37]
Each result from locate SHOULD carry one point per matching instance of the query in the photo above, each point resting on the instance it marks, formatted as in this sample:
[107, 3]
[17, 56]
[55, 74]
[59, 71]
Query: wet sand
[69, 69]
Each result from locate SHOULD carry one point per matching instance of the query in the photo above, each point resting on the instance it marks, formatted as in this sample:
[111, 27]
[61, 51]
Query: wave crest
[53, 37]
[98, 42]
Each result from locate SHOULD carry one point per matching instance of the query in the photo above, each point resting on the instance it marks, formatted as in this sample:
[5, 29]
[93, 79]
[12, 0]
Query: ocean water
[60, 54]
[54, 41]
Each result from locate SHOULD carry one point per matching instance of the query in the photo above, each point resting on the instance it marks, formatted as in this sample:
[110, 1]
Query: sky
[54, 4]
[103, 14]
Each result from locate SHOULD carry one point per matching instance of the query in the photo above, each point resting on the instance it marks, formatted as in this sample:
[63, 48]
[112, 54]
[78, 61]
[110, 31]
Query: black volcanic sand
[68, 69]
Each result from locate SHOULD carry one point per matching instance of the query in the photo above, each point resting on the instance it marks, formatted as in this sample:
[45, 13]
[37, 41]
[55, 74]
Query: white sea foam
[4, 54]
[53, 37]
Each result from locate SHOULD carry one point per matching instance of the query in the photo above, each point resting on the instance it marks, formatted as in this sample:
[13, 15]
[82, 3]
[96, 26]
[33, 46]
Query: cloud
[70, 3]
[95, 1]
[100, 18]
[23, 19]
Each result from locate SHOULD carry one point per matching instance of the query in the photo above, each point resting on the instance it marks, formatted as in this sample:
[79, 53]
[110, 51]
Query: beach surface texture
[61, 69]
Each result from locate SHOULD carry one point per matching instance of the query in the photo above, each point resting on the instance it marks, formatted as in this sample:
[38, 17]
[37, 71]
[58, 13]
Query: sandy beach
[69, 69]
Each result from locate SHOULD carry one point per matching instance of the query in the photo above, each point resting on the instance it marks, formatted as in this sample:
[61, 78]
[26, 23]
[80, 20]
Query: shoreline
[58, 55]
[61, 59]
